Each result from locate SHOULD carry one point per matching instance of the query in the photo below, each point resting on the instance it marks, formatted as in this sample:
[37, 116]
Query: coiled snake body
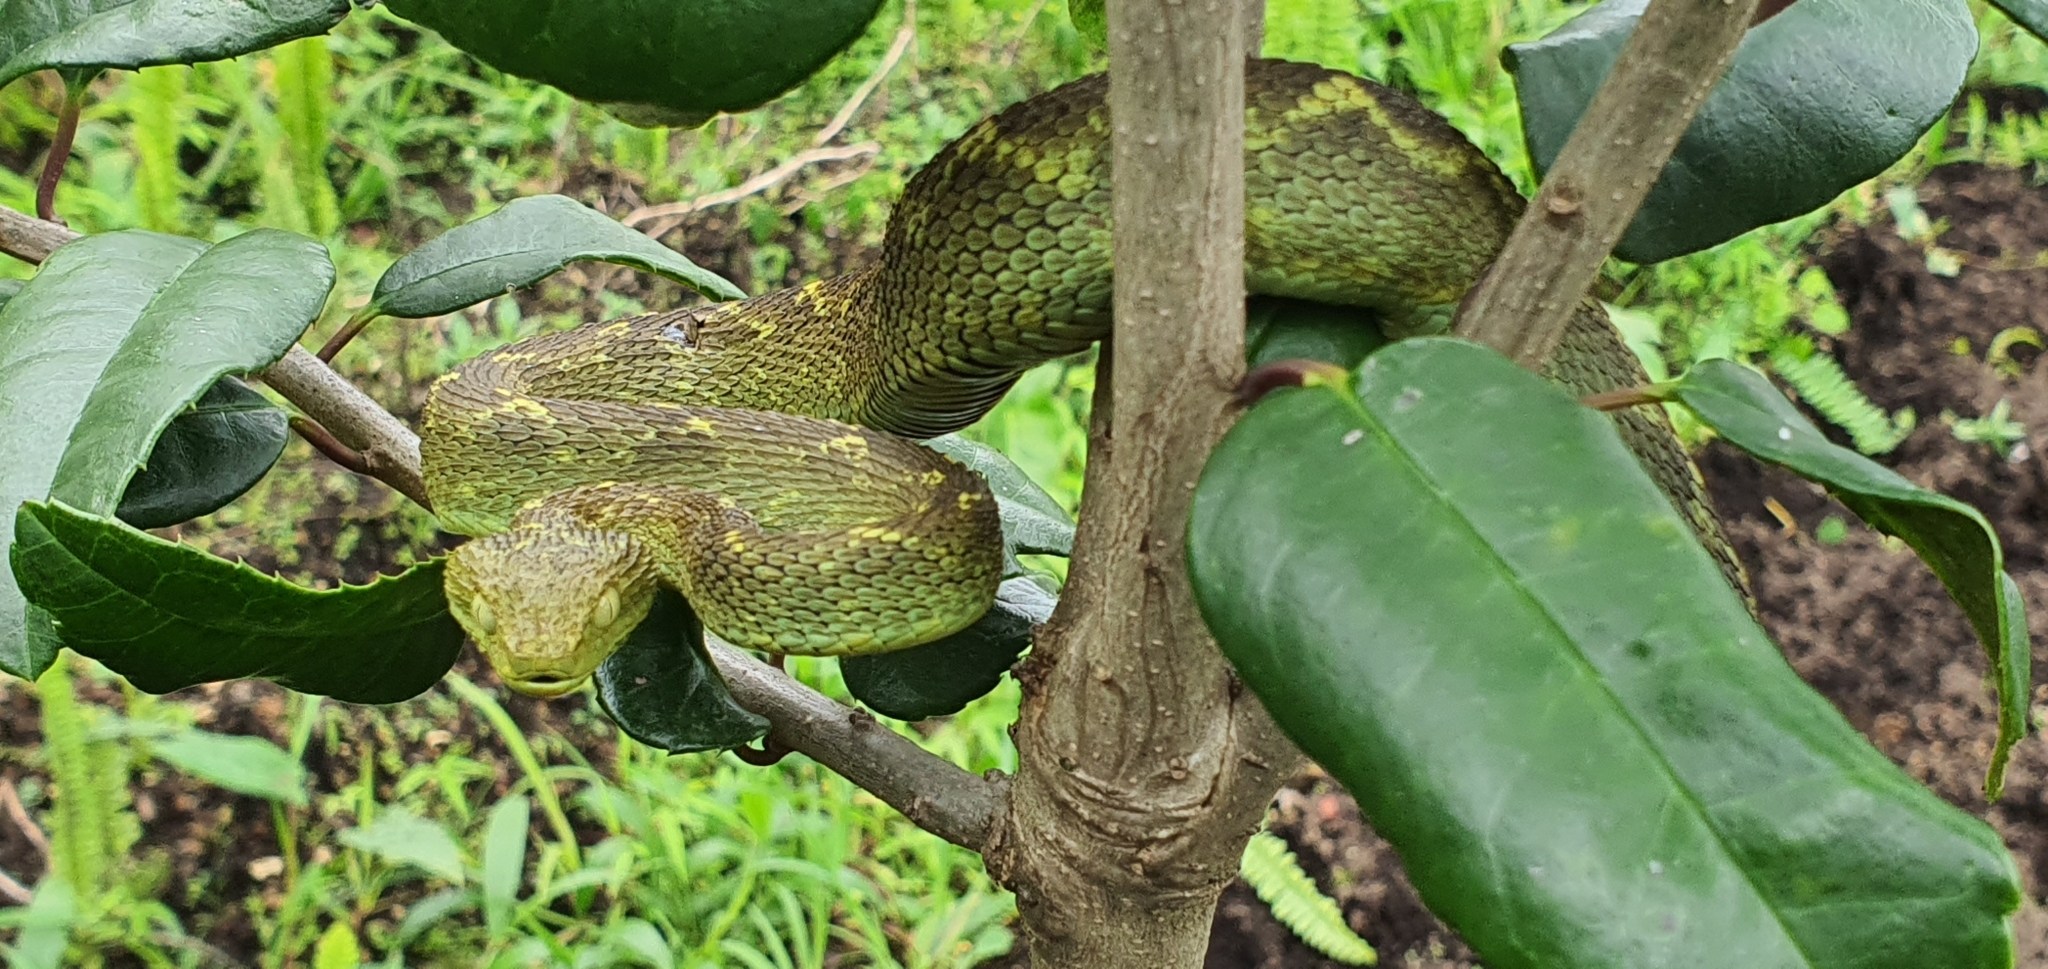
[602, 461]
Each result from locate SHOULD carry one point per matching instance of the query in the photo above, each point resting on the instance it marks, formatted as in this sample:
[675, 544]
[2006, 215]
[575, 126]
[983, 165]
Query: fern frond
[1822, 384]
[78, 838]
[1270, 869]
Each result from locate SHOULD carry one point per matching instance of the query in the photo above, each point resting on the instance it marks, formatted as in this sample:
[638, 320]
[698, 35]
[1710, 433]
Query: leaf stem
[1623, 398]
[349, 331]
[60, 151]
[325, 443]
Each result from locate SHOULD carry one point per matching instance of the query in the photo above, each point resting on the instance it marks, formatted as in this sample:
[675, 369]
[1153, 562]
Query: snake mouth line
[546, 688]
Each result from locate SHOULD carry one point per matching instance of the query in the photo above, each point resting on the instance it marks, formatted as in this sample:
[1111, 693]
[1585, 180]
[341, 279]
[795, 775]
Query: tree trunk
[1143, 765]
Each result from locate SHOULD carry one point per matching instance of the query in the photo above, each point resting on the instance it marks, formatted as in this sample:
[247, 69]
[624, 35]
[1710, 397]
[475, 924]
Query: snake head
[549, 601]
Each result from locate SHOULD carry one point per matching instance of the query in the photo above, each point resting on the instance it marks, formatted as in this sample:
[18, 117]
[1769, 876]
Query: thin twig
[904, 35]
[11, 800]
[15, 891]
[60, 152]
[325, 443]
[1672, 60]
[28, 238]
[667, 216]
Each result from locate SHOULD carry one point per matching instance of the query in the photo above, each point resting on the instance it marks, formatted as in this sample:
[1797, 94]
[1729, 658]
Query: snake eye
[607, 608]
[486, 621]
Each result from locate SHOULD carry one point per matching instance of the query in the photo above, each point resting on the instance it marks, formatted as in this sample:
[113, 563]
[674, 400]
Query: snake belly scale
[748, 453]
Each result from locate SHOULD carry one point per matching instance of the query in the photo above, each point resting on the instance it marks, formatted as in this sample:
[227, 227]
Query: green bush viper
[747, 453]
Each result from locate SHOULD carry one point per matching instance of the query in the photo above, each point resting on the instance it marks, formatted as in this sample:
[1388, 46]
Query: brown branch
[389, 449]
[28, 238]
[1143, 765]
[935, 795]
[1678, 51]
[952, 803]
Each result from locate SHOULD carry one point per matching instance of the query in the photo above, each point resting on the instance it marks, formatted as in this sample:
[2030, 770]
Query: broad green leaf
[142, 33]
[114, 336]
[168, 616]
[240, 305]
[2031, 14]
[1277, 328]
[663, 690]
[207, 456]
[8, 289]
[519, 245]
[504, 861]
[1819, 98]
[245, 765]
[940, 678]
[56, 337]
[1033, 521]
[673, 62]
[1955, 539]
[1457, 589]
[403, 838]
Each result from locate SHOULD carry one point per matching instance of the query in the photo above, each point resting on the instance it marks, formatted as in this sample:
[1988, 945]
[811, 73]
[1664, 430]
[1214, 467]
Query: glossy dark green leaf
[240, 305]
[1456, 589]
[115, 335]
[140, 33]
[2031, 14]
[1956, 541]
[1033, 521]
[56, 337]
[519, 245]
[939, 679]
[1277, 328]
[206, 457]
[1819, 98]
[168, 616]
[673, 62]
[663, 690]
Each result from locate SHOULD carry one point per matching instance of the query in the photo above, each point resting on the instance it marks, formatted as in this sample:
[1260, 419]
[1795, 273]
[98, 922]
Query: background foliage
[380, 136]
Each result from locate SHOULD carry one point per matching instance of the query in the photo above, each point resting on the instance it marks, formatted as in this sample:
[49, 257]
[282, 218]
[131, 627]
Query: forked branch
[1678, 51]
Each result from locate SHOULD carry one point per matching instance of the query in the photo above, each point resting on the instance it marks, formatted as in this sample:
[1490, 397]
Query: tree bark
[1673, 59]
[1143, 765]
